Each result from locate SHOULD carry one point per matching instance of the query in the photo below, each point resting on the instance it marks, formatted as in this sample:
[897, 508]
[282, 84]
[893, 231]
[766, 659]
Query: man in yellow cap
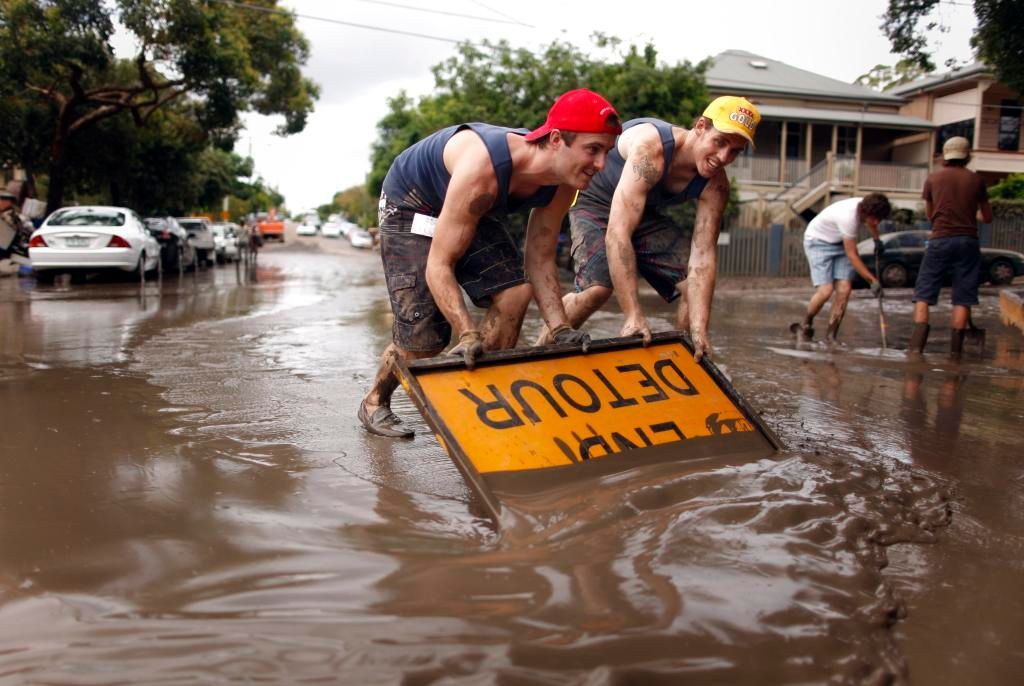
[619, 228]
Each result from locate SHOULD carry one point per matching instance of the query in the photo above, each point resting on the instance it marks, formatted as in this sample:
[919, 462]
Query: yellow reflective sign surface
[553, 412]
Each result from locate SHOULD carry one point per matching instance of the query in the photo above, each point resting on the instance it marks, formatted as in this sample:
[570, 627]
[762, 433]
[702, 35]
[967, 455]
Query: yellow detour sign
[554, 409]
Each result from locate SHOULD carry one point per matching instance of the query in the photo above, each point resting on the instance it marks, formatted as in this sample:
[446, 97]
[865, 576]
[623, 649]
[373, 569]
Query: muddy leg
[921, 312]
[835, 317]
[961, 316]
[386, 381]
[805, 329]
[578, 308]
[504, 318]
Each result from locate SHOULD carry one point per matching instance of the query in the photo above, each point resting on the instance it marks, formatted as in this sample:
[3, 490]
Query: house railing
[842, 173]
[883, 176]
[754, 169]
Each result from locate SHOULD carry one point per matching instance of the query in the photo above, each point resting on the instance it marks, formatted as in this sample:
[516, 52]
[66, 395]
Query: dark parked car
[904, 251]
[176, 250]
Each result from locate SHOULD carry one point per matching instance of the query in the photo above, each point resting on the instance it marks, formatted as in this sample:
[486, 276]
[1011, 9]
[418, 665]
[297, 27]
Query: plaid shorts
[662, 251]
[491, 264]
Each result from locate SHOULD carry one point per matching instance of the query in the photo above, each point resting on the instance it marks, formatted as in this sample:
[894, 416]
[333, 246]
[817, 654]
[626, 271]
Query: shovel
[881, 310]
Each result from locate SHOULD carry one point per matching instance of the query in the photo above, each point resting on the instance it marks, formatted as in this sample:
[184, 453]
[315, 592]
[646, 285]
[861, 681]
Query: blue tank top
[598, 195]
[418, 179]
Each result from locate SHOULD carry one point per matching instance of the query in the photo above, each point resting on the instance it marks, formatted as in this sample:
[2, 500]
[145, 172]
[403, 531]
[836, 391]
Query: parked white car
[306, 229]
[360, 238]
[331, 229]
[93, 238]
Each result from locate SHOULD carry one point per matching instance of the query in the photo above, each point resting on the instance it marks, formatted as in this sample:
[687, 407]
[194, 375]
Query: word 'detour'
[498, 412]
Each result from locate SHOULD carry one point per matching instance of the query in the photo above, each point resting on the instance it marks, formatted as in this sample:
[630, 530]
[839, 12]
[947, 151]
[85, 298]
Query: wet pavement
[185, 497]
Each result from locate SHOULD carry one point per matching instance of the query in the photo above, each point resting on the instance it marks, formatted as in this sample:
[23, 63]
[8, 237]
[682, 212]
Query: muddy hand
[471, 345]
[701, 346]
[567, 334]
[637, 325]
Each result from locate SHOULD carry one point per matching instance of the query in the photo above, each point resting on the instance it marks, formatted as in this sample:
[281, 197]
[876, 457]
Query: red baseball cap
[580, 110]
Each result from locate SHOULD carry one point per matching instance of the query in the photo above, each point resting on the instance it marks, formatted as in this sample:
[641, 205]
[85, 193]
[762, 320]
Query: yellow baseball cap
[733, 114]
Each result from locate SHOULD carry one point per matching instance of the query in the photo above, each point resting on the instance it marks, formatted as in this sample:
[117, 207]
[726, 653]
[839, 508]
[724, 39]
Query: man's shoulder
[643, 134]
[467, 152]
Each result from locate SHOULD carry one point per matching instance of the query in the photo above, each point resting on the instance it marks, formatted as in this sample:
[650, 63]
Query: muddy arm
[471, 194]
[700, 273]
[541, 246]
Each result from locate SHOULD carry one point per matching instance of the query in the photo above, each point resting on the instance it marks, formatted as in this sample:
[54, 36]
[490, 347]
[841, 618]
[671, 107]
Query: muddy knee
[595, 296]
[513, 300]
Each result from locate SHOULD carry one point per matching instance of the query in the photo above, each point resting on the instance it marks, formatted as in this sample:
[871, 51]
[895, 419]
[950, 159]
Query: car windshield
[191, 225]
[156, 224]
[913, 240]
[87, 217]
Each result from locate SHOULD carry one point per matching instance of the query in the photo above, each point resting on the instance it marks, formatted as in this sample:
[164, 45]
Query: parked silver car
[202, 238]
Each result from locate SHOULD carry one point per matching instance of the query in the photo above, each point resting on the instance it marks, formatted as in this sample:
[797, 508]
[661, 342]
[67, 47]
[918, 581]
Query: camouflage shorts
[491, 264]
[662, 251]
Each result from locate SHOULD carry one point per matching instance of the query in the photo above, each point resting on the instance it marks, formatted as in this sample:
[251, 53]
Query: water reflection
[932, 437]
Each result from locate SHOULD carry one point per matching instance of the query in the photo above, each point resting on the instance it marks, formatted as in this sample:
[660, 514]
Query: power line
[449, 14]
[501, 14]
[275, 10]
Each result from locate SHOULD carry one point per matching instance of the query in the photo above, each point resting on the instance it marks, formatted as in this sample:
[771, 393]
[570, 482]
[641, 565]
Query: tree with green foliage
[998, 40]
[358, 205]
[882, 77]
[1010, 188]
[499, 84]
[220, 58]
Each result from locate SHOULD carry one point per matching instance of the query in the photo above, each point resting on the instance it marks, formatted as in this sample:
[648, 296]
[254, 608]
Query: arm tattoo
[645, 171]
[481, 204]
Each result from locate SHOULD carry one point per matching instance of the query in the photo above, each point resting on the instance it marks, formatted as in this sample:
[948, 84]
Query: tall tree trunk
[58, 162]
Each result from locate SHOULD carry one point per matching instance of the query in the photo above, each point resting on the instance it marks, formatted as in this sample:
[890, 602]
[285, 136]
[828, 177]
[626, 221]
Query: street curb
[1011, 306]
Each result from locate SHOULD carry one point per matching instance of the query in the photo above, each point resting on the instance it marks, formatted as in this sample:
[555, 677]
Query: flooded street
[187, 497]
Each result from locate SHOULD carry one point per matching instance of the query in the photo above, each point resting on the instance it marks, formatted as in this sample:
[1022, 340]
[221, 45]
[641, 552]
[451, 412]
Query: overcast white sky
[358, 69]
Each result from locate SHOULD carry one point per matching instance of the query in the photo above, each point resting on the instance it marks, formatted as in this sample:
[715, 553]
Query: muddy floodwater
[186, 498]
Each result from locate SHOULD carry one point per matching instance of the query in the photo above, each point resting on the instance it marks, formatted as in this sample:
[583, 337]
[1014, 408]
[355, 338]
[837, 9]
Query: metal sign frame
[409, 371]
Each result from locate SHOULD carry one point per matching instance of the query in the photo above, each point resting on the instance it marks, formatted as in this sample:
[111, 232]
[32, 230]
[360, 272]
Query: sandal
[383, 422]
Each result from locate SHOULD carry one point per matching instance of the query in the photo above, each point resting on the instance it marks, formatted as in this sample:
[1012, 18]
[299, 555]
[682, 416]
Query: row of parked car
[337, 228]
[93, 238]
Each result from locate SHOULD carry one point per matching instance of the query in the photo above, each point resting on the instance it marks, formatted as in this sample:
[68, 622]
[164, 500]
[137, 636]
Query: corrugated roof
[880, 119]
[928, 82]
[735, 70]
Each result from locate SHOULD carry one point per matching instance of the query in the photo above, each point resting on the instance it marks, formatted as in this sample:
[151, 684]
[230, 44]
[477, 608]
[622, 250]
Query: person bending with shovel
[441, 216]
[830, 243]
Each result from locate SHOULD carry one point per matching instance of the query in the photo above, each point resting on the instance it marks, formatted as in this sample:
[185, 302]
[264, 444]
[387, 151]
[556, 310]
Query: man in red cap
[619, 229]
[441, 217]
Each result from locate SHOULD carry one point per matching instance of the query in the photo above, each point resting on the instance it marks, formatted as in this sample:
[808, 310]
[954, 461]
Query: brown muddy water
[186, 497]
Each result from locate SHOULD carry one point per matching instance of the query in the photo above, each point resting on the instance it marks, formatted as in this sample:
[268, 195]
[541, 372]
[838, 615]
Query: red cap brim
[539, 132]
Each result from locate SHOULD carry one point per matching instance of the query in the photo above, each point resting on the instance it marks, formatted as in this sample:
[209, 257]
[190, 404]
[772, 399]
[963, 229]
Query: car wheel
[1000, 272]
[140, 269]
[894, 275]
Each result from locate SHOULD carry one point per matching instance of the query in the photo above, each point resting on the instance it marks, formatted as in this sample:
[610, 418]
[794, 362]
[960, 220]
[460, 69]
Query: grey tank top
[598, 196]
[418, 179]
